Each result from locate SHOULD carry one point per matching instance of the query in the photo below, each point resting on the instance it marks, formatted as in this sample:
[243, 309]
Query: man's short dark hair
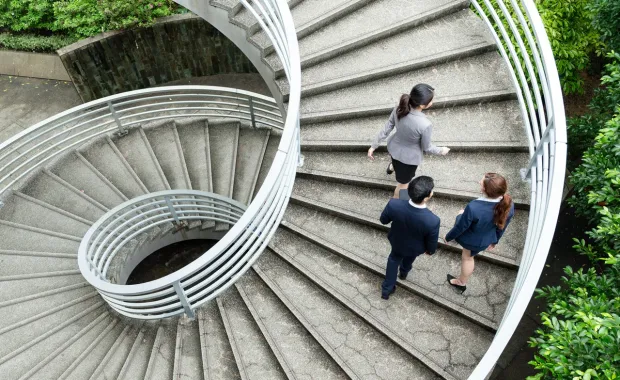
[420, 188]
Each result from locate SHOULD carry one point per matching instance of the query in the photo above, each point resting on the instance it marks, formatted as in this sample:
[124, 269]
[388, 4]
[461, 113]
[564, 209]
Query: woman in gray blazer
[412, 137]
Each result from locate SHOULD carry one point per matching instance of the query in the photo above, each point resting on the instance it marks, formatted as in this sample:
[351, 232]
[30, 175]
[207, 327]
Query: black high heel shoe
[461, 288]
[388, 170]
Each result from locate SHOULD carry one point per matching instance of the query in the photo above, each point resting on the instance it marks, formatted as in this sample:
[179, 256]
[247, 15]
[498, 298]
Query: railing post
[184, 301]
[300, 157]
[252, 116]
[180, 225]
[122, 131]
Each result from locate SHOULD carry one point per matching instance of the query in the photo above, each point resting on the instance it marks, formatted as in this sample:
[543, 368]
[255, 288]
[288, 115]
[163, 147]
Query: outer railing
[37, 146]
[144, 218]
[523, 43]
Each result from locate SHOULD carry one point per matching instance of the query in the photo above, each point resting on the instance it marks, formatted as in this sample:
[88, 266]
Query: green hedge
[45, 25]
[32, 42]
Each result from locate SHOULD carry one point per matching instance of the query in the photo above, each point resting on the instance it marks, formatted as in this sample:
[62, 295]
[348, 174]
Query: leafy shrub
[607, 22]
[580, 337]
[583, 129]
[573, 38]
[31, 42]
[20, 15]
[83, 18]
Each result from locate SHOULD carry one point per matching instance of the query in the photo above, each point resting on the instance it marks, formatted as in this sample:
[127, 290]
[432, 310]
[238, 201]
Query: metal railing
[50, 139]
[523, 43]
[114, 237]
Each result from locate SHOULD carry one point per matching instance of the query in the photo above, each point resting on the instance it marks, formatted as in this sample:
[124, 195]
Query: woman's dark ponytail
[495, 186]
[421, 95]
[501, 211]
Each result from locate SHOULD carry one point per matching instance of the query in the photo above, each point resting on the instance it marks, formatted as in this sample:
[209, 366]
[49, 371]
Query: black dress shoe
[387, 296]
[389, 169]
[402, 276]
[461, 288]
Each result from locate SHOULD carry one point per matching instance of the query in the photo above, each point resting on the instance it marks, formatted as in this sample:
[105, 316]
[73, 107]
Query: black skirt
[404, 172]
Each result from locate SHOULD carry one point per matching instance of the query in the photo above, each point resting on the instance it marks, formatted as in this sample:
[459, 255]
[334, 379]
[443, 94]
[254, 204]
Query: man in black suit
[414, 231]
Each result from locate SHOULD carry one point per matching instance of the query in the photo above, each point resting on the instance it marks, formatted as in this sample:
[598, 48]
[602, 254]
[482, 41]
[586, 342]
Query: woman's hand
[491, 247]
[461, 211]
[370, 153]
[445, 150]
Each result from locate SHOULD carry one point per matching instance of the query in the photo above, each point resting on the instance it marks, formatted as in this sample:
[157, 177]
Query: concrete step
[138, 152]
[488, 290]
[223, 143]
[166, 144]
[15, 236]
[289, 340]
[81, 174]
[14, 312]
[250, 153]
[270, 153]
[365, 351]
[138, 358]
[85, 364]
[111, 365]
[23, 348]
[57, 362]
[374, 19]
[456, 175]
[23, 209]
[253, 355]
[489, 127]
[194, 137]
[228, 5]
[218, 359]
[187, 358]
[161, 360]
[39, 285]
[364, 205]
[50, 188]
[15, 263]
[470, 76]
[452, 37]
[441, 340]
[109, 161]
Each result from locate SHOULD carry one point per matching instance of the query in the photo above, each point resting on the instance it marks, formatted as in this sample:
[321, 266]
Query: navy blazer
[414, 231]
[475, 229]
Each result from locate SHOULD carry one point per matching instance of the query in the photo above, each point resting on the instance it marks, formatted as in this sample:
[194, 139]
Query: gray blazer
[411, 139]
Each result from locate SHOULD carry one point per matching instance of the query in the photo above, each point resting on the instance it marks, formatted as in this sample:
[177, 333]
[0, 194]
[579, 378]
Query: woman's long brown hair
[495, 186]
[421, 95]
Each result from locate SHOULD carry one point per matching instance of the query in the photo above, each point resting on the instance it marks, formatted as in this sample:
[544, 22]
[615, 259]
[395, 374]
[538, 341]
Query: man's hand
[461, 211]
[370, 153]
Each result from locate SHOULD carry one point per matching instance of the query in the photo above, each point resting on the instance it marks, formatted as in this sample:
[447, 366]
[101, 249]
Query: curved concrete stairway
[310, 308]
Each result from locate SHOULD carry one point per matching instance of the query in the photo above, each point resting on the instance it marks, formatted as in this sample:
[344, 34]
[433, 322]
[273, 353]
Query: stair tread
[366, 20]
[17, 238]
[270, 153]
[189, 359]
[484, 73]
[16, 290]
[136, 367]
[163, 140]
[194, 139]
[302, 353]
[136, 151]
[369, 203]
[217, 354]
[454, 32]
[479, 124]
[223, 141]
[365, 350]
[102, 155]
[162, 354]
[457, 173]
[251, 147]
[450, 341]
[256, 361]
[309, 10]
[487, 292]
[11, 265]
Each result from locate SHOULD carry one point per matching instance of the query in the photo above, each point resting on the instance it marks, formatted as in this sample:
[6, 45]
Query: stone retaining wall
[33, 65]
[176, 47]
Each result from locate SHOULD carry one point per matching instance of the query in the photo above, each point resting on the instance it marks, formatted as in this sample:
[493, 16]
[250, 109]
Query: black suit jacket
[414, 231]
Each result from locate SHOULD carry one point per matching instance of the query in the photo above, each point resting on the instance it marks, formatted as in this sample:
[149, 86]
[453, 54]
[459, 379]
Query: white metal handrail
[534, 74]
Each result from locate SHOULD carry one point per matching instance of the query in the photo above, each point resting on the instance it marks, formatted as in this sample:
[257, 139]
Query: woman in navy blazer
[481, 224]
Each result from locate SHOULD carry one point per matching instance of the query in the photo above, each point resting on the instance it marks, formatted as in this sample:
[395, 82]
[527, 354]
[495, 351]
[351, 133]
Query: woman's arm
[383, 134]
[428, 147]
[462, 224]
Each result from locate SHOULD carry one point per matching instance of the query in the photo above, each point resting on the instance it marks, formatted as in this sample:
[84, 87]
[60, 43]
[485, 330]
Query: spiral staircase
[310, 306]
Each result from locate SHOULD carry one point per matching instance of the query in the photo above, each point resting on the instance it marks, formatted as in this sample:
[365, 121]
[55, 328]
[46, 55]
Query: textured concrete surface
[301, 352]
[476, 124]
[365, 350]
[250, 151]
[188, 356]
[270, 153]
[194, 137]
[223, 146]
[217, 354]
[487, 291]
[32, 65]
[26, 101]
[166, 145]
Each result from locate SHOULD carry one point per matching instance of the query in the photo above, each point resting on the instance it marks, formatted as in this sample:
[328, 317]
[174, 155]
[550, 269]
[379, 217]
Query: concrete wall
[175, 48]
[33, 65]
